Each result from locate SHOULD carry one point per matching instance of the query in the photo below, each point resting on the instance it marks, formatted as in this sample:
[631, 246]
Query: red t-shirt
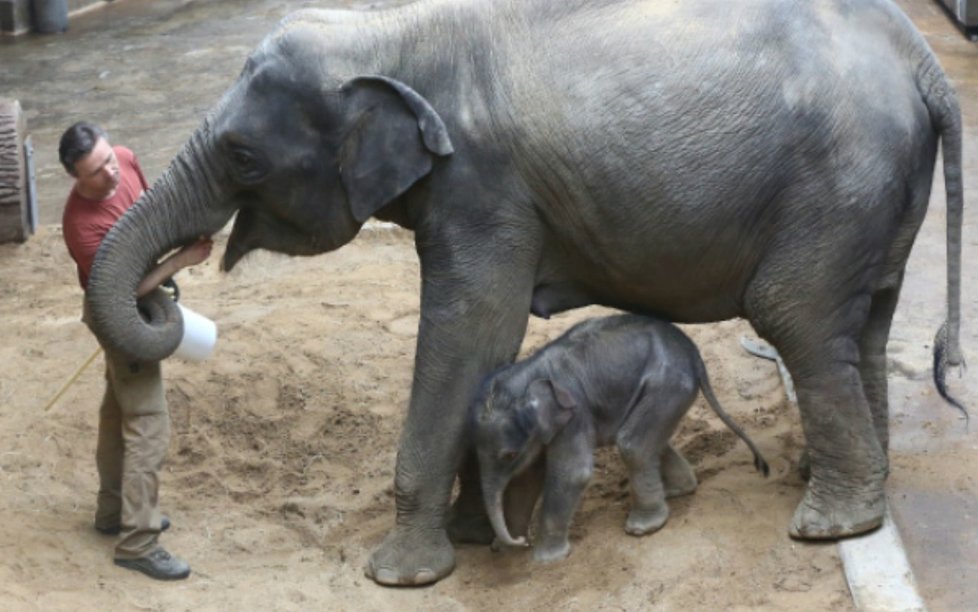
[86, 222]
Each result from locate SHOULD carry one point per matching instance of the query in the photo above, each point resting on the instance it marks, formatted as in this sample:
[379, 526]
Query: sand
[279, 475]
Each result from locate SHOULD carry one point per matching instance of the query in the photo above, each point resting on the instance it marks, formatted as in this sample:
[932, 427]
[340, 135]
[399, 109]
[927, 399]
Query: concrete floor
[148, 71]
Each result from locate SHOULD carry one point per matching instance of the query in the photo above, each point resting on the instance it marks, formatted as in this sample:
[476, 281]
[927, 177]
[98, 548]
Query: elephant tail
[945, 112]
[759, 463]
[941, 365]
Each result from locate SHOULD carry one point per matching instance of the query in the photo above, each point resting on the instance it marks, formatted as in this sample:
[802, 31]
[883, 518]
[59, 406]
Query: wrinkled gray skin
[770, 161]
[625, 380]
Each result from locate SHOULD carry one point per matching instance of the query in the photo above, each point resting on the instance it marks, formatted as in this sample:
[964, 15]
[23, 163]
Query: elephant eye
[509, 455]
[247, 165]
[243, 158]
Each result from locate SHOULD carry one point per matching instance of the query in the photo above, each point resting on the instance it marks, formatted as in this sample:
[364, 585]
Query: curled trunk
[494, 503]
[187, 202]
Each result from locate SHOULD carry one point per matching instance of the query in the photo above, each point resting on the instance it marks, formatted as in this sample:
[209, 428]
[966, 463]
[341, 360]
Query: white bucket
[199, 336]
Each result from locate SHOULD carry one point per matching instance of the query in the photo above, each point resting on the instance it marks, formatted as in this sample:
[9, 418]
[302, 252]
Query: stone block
[18, 209]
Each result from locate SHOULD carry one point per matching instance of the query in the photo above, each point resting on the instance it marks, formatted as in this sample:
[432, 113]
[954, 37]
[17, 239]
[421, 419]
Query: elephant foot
[821, 517]
[409, 557]
[678, 477]
[680, 488]
[550, 552]
[472, 528]
[645, 521]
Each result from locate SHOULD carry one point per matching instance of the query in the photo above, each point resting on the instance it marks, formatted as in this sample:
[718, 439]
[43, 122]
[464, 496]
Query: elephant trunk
[188, 201]
[494, 505]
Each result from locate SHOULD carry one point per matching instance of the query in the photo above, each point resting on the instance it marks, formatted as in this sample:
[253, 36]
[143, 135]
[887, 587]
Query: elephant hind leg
[677, 475]
[872, 368]
[848, 467]
[655, 468]
[819, 338]
[872, 363]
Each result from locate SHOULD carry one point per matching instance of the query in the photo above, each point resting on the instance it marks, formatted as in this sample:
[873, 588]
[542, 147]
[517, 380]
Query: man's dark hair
[77, 142]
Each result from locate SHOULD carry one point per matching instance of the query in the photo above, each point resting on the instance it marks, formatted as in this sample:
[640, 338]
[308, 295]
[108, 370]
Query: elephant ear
[554, 406]
[391, 143]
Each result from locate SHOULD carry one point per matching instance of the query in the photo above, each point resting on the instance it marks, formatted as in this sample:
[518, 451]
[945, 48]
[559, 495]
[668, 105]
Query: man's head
[86, 154]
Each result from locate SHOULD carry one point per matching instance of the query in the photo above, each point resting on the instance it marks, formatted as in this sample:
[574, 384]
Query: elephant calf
[625, 379]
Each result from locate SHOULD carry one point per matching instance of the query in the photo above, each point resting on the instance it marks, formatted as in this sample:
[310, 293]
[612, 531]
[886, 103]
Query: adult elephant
[771, 160]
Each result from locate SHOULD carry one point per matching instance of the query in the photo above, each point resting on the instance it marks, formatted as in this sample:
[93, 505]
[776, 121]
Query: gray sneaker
[158, 564]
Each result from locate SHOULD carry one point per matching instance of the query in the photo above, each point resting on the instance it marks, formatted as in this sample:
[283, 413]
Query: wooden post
[16, 222]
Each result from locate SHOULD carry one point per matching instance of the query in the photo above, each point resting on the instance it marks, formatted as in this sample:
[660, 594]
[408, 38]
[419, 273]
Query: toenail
[424, 576]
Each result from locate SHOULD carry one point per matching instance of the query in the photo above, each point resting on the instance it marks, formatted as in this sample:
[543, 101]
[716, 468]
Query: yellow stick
[71, 380]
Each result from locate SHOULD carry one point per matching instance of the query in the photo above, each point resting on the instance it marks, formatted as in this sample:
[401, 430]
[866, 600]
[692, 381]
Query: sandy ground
[279, 476]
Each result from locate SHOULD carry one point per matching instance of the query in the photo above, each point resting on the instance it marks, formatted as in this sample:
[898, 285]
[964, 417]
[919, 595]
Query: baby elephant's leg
[649, 508]
[643, 441]
[569, 465]
[677, 474]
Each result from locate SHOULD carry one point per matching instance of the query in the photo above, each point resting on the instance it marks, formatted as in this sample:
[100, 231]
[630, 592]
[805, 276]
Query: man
[134, 425]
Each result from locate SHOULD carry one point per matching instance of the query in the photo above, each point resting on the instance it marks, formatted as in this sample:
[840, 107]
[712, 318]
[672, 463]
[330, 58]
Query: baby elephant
[623, 379]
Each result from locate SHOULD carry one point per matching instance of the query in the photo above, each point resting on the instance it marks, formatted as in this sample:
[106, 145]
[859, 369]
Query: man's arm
[190, 255]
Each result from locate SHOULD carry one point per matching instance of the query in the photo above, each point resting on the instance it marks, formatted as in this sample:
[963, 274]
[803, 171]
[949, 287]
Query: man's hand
[190, 255]
[195, 253]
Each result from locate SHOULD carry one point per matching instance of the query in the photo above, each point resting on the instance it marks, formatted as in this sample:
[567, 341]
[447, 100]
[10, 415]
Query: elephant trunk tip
[520, 542]
[498, 521]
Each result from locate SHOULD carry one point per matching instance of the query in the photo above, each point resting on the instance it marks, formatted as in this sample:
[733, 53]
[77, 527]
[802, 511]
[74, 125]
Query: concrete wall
[15, 15]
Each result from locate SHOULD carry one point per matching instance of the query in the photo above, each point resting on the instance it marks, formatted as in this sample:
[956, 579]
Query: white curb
[878, 572]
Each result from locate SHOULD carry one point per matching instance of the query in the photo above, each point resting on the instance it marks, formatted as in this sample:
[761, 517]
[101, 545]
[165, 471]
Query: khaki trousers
[133, 435]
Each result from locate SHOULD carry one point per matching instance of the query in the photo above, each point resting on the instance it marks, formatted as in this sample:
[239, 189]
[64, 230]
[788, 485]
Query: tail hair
[941, 366]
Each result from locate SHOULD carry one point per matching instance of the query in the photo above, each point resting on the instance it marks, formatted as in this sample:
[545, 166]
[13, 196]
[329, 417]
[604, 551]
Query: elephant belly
[683, 295]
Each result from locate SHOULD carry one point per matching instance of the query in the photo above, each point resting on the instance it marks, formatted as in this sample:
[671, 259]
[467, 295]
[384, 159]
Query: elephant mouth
[255, 229]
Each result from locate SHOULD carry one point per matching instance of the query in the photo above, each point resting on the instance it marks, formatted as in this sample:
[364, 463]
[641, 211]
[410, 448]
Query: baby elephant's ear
[554, 406]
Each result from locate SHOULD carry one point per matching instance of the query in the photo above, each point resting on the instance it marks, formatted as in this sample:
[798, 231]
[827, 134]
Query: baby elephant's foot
[678, 489]
[551, 551]
[643, 521]
[678, 477]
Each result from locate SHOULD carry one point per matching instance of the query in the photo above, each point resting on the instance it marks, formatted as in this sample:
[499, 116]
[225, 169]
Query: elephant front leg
[569, 465]
[418, 551]
[462, 337]
[468, 522]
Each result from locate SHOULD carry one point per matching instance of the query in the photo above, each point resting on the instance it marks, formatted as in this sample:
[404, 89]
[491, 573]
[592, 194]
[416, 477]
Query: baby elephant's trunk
[494, 504]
